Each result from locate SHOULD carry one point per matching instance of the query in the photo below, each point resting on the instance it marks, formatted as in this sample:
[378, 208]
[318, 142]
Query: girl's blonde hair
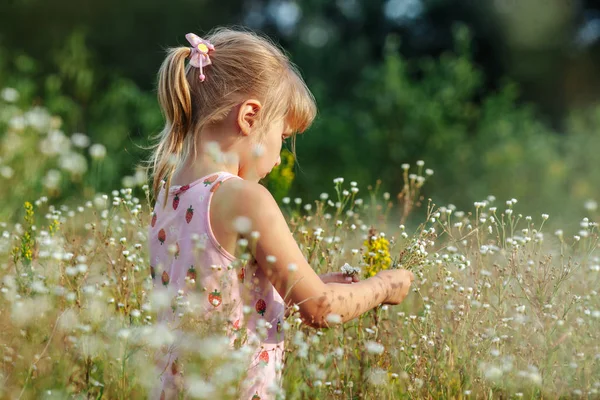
[243, 64]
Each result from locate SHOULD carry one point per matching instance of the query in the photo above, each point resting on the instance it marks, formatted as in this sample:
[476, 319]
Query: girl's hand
[338, 277]
[398, 283]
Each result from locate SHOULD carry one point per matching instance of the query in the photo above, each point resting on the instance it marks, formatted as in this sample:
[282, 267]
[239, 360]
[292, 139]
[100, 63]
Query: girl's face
[267, 152]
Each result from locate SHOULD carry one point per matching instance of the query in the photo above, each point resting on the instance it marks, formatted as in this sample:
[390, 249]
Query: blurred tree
[394, 81]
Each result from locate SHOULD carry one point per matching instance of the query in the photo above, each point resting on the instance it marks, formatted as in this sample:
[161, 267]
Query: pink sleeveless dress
[185, 257]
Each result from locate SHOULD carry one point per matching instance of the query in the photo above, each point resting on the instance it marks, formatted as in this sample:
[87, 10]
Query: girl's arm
[300, 284]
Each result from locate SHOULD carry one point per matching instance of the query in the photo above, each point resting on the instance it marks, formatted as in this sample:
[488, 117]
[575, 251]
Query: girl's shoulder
[243, 198]
[238, 207]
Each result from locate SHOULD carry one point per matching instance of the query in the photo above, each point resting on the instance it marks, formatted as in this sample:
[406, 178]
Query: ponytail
[176, 104]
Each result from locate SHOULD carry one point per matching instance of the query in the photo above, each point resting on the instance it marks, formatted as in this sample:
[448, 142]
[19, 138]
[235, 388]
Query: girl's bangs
[301, 108]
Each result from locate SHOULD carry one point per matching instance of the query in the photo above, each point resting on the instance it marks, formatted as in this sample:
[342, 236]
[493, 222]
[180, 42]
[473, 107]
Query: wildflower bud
[374, 347]
[242, 224]
[97, 151]
[334, 319]
[591, 205]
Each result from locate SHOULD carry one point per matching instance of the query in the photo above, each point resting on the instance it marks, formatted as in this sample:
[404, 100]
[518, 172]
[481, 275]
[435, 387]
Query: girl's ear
[248, 115]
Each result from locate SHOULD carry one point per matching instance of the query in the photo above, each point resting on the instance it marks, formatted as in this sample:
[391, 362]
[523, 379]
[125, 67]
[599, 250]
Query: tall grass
[501, 307]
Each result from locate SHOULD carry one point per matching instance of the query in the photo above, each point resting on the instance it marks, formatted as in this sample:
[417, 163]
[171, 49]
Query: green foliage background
[471, 126]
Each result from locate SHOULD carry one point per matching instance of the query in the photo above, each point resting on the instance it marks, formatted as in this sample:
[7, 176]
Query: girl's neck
[195, 168]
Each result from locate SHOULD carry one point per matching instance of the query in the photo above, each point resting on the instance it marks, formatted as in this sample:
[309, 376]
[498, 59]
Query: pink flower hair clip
[199, 56]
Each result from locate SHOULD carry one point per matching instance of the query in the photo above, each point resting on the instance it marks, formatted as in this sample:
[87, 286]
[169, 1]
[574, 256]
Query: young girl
[230, 101]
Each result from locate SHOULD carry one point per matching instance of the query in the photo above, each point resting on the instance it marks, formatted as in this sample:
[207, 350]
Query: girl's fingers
[339, 277]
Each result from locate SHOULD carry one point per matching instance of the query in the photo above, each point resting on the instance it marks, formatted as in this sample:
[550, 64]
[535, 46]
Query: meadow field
[504, 304]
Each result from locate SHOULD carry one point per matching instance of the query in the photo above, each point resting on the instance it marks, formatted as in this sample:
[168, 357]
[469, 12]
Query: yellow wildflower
[377, 254]
[28, 212]
[53, 227]
[281, 178]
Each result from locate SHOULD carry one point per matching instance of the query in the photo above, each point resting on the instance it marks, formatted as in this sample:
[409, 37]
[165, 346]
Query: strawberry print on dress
[189, 214]
[236, 325]
[210, 180]
[165, 278]
[264, 357]
[191, 273]
[214, 298]
[261, 307]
